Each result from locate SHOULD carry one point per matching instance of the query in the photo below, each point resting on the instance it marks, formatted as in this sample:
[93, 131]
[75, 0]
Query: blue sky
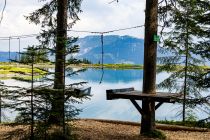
[97, 15]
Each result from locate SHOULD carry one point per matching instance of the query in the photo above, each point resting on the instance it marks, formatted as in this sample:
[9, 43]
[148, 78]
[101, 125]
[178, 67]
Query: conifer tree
[55, 28]
[184, 35]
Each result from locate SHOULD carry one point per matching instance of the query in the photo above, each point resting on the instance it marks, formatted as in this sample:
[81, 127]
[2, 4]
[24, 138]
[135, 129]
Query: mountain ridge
[117, 49]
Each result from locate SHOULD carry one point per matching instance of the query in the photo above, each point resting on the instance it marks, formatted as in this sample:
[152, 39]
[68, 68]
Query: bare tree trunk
[150, 54]
[0, 106]
[58, 103]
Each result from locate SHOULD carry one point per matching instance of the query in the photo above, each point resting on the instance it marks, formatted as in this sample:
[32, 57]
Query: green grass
[186, 123]
[113, 66]
[8, 68]
[19, 72]
[19, 69]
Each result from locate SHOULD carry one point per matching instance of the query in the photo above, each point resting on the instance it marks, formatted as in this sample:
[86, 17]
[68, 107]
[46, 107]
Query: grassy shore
[11, 68]
[111, 66]
[19, 71]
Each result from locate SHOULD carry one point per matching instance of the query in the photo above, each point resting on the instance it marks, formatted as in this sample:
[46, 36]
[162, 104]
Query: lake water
[100, 108]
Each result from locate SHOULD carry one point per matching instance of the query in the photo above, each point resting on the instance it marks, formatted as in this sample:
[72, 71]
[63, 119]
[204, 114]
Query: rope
[102, 57]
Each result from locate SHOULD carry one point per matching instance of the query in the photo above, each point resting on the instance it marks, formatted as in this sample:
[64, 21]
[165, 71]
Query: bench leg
[137, 106]
[158, 105]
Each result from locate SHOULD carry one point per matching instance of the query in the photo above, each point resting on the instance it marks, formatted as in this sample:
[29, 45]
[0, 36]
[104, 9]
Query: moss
[155, 134]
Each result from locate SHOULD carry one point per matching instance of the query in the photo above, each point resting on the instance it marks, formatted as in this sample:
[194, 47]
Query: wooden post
[150, 53]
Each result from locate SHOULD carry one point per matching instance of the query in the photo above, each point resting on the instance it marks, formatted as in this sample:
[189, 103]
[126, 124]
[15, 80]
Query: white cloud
[101, 16]
[97, 15]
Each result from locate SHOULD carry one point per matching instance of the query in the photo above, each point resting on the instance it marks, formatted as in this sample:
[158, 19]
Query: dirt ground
[87, 129]
[96, 130]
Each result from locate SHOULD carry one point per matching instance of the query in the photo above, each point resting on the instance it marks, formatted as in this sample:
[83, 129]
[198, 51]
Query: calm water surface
[98, 107]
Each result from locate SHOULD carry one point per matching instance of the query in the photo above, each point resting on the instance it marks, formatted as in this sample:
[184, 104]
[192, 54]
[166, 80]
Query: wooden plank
[112, 91]
[138, 95]
[120, 90]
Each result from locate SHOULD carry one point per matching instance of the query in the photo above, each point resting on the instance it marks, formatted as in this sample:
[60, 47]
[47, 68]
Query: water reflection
[99, 107]
[110, 75]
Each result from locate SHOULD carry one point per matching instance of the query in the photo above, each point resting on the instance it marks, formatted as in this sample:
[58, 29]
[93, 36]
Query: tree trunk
[150, 54]
[0, 106]
[59, 82]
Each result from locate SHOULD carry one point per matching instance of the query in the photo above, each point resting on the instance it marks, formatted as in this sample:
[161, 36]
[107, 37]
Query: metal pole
[32, 88]
[19, 48]
[9, 48]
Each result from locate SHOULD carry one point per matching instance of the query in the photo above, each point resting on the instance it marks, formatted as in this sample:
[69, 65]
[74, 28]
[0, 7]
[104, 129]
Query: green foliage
[182, 43]
[187, 123]
[48, 103]
[155, 134]
[41, 55]
[191, 116]
[78, 61]
[46, 17]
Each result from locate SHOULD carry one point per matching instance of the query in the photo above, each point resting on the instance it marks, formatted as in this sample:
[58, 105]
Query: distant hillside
[117, 49]
[4, 56]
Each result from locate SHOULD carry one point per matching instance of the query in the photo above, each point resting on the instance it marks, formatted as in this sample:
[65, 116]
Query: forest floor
[87, 129]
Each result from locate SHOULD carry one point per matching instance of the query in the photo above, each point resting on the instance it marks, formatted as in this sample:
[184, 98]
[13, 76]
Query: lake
[100, 108]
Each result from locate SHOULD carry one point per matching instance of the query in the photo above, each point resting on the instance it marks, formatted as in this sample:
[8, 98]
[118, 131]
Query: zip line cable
[77, 31]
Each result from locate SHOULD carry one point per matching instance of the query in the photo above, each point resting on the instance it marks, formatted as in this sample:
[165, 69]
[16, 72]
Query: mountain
[117, 49]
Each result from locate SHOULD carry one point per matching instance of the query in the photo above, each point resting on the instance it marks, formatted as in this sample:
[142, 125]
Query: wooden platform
[133, 95]
[138, 95]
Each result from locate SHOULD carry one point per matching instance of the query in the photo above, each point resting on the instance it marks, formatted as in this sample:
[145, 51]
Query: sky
[97, 15]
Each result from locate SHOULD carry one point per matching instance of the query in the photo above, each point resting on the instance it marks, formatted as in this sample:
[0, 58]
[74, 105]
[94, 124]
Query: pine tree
[55, 28]
[3, 93]
[180, 43]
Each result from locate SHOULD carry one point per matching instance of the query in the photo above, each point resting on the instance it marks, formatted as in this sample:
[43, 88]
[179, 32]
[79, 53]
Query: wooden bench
[133, 95]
